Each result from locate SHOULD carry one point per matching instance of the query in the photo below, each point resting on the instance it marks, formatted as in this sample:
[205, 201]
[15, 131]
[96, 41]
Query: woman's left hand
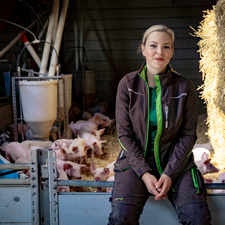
[163, 186]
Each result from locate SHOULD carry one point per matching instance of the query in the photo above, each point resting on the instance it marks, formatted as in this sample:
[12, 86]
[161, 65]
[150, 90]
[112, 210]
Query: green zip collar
[159, 117]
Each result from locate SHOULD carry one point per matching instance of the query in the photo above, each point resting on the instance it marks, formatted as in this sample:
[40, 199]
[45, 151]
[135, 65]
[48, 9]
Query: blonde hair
[159, 28]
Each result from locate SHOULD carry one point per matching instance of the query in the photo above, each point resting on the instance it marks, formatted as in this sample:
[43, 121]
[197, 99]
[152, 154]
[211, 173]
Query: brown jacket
[177, 114]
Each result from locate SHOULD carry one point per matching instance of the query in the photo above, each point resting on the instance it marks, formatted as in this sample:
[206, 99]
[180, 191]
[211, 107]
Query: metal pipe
[14, 166]
[17, 38]
[43, 30]
[81, 49]
[85, 183]
[46, 51]
[58, 39]
[14, 182]
[56, 20]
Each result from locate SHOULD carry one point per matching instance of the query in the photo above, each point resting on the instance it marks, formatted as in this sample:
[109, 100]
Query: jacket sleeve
[187, 137]
[131, 152]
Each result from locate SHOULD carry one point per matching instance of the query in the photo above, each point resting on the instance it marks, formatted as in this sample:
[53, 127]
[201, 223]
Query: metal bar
[37, 78]
[35, 186]
[84, 183]
[65, 111]
[215, 186]
[53, 198]
[14, 181]
[14, 166]
[17, 38]
[14, 108]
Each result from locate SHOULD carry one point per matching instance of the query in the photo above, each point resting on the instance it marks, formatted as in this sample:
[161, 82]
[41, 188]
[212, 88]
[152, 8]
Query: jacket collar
[165, 79]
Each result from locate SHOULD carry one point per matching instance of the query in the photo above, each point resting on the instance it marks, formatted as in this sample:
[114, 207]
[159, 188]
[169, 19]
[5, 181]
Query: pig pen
[36, 201]
[112, 149]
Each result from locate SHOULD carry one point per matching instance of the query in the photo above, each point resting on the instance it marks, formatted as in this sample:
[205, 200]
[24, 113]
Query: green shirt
[153, 118]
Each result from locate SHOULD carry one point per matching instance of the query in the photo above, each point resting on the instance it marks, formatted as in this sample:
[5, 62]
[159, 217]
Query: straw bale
[212, 52]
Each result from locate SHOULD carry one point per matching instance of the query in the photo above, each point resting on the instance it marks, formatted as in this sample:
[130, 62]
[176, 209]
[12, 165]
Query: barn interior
[96, 45]
[61, 62]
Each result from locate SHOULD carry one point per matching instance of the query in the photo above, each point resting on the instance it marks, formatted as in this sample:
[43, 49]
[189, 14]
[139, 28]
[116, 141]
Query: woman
[156, 119]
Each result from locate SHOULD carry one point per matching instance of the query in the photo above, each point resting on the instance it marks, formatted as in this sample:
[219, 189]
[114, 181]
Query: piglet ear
[57, 143]
[86, 147]
[207, 161]
[67, 166]
[62, 151]
[101, 131]
[106, 170]
[93, 168]
[83, 167]
[75, 149]
[204, 156]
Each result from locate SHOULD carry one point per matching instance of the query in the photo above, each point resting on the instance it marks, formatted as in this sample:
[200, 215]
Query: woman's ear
[143, 49]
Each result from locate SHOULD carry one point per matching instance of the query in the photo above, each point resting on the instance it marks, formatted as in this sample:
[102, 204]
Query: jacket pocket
[121, 164]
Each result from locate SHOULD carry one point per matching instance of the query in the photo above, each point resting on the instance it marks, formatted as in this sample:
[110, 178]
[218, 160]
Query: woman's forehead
[158, 36]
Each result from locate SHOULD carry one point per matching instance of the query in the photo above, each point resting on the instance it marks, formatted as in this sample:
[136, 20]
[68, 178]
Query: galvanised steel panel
[15, 205]
[94, 208]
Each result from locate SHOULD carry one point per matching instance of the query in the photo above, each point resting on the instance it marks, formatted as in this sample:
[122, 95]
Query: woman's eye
[153, 46]
[167, 47]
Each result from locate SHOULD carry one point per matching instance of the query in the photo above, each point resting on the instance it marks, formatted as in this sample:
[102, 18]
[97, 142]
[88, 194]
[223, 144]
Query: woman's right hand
[150, 183]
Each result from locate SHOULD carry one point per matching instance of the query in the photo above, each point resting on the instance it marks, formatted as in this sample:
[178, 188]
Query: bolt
[16, 198]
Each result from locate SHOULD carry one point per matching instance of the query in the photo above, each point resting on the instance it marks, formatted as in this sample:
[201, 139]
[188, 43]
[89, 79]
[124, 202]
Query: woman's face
[158, 51]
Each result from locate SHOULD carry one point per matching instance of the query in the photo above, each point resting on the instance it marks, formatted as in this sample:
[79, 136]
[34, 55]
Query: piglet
[207, 146]
[93, 142]
[102, 120]
[24, 160]
[197, 152]
[204, 165]
[72, 169]
[62, 176]
[16, 150]
[61, 143]
[79, 149]
[83, 126]
[109, 189]
[42, 144]
[102, 174]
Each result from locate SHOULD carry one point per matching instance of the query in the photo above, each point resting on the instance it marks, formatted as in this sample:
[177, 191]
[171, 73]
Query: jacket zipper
[166, 111]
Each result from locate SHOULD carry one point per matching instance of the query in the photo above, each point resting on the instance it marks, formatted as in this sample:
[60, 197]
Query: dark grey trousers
[130, 195]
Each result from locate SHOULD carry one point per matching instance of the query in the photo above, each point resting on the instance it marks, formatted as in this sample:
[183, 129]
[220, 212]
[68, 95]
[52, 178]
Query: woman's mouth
[159, 59]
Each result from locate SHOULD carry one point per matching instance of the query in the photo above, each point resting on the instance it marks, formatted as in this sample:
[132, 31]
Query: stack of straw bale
[212, 65]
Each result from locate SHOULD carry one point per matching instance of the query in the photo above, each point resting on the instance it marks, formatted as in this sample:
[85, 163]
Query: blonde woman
[156, 119]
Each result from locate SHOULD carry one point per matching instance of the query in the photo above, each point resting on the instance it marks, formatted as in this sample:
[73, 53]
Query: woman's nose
[159, 50]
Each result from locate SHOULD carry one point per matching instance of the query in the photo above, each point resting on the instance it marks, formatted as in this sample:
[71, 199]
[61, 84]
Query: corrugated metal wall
[113, 31]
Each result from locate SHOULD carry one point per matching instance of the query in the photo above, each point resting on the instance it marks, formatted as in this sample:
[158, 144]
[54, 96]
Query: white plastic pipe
[31, 50]
[47, 46]
[43, 30]
[55, 25]
[58, 39]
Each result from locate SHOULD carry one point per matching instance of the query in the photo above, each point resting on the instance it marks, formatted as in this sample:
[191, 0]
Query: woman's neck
[151, 79]
[150, 76]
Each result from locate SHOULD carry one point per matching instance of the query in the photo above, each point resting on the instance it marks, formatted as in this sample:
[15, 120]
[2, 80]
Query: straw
[212, 52]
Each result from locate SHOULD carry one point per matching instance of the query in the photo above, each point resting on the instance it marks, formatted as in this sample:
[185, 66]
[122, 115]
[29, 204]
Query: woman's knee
[124, 214]
[196, 213]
